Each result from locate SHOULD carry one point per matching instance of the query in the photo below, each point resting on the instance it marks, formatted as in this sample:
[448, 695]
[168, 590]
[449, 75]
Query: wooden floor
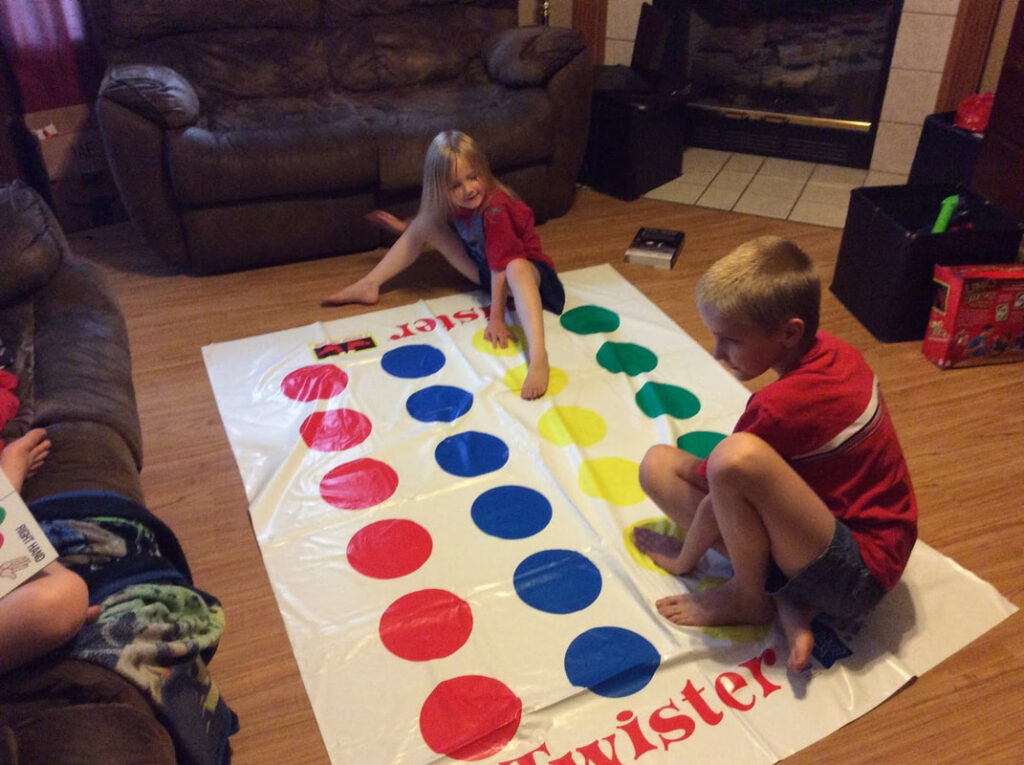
[962, 431]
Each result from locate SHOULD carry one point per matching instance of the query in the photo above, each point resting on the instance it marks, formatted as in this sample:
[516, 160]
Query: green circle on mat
[699, 443]
[589, 320]
[626, 357]
[660, 398]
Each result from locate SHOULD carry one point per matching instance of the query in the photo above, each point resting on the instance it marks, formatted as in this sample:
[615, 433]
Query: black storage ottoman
[887, 254]
[945, 153]
[635, 142]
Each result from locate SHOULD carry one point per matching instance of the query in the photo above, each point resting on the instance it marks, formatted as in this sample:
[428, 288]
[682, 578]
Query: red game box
[977, 317]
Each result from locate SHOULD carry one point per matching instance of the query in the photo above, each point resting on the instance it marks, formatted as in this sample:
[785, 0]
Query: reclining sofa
[245, 133]
[94, 700]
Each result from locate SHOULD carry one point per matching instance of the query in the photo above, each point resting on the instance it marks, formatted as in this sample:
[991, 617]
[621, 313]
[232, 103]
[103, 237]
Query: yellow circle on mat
[564, 425]
[557, 380]
[737, 633]
[663, 526]
[612, 479]
[516, 342]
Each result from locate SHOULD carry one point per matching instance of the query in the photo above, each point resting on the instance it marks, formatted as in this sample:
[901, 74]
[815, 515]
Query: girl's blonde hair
[439, 165]
[766, 281]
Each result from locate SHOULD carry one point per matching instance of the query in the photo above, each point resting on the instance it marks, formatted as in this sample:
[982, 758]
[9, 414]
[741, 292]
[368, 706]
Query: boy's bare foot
[537, 375]
[23, 456]
[716, 607]
[360, 292]
[796, 625]
[663, 549]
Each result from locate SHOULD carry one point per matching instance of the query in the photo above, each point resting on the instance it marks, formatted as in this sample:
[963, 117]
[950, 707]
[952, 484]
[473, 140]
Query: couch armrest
[530, 56]
[32, 245]
[157, 93]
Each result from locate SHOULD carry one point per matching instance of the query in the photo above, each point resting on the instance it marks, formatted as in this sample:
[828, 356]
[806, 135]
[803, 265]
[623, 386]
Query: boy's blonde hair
[447, 147]
[766, 281]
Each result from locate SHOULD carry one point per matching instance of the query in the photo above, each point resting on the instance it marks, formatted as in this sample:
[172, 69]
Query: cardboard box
[977, 316]
[887, 255]
[68, 141]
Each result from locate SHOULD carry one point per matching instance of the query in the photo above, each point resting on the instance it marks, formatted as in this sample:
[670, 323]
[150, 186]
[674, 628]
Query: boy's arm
[497, 331]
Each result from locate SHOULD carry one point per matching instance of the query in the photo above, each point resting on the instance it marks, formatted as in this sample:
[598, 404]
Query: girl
[487, 234]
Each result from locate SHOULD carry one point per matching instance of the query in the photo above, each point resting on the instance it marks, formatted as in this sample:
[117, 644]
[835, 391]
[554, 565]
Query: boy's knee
[736, 457]
[65, 603]
[653, 465]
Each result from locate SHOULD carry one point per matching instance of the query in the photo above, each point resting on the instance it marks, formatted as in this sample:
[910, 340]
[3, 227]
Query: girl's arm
[497, 330]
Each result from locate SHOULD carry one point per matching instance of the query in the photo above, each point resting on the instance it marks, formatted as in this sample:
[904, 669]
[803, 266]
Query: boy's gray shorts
[836, 583]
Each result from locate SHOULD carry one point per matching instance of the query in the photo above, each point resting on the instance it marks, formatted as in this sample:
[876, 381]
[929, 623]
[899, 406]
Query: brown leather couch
[245, 133]
[60, 321]
[68, 344]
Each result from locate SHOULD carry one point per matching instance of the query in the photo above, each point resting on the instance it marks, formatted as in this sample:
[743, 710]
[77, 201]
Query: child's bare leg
[41, 615]
[400, 256]
[23, 456]
[765, 511]
[524, 281]
[796, 625]
[668, 477]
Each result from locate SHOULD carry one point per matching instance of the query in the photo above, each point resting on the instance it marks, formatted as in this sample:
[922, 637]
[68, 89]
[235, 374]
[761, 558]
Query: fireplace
[801, 79]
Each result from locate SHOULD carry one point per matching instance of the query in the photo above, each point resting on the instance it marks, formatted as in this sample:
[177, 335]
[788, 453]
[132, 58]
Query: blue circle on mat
[439, 403]
[471, 454]
[412, 361]
[557, 581]
[611, 661]
[511, 512]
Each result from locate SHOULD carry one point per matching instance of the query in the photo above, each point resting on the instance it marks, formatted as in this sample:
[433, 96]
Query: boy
[809, 497]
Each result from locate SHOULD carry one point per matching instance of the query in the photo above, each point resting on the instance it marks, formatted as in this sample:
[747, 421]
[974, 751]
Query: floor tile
[834, 175]
[808, 211]
[779, 188]
[881, 178]
[678, 191]
[744, 163]
[794, 169]
[720, 199]
[696, 158]
[731, 180]
[827, 195]
[768, 206]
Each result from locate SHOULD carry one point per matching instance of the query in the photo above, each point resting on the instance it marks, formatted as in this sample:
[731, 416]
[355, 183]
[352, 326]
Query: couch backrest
[250, 48]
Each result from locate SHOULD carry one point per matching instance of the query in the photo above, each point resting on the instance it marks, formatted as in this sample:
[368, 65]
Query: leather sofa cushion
[122, 25]
[261, 148]
[405, 121]
[31, 245]
[401, 50]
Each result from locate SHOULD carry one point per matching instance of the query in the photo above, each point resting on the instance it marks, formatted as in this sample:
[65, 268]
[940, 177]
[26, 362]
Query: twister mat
[454, 564]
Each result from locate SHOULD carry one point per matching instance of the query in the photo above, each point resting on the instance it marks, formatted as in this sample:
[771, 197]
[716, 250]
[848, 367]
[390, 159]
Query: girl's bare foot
[537, 375]
[716, 607]
[360, 292]
[796, 625]
[23, 456]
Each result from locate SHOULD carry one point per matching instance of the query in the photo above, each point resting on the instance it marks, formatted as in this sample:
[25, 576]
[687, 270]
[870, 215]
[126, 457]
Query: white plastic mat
[454, 565]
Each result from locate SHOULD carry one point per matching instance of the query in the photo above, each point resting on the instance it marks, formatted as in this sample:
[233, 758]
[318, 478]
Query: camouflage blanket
[155, 628]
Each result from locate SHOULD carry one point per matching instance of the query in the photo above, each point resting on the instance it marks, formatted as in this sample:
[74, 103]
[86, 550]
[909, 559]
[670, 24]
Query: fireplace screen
[790, 77]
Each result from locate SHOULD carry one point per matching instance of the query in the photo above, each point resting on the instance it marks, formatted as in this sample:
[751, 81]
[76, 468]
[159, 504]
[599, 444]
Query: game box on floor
[977, 316]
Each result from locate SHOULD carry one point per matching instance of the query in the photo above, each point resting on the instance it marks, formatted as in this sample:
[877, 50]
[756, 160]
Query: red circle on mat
[335, 429]
[358, 484]
[470, 717]
[425, 625]
[314, 382]
[389, 549]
